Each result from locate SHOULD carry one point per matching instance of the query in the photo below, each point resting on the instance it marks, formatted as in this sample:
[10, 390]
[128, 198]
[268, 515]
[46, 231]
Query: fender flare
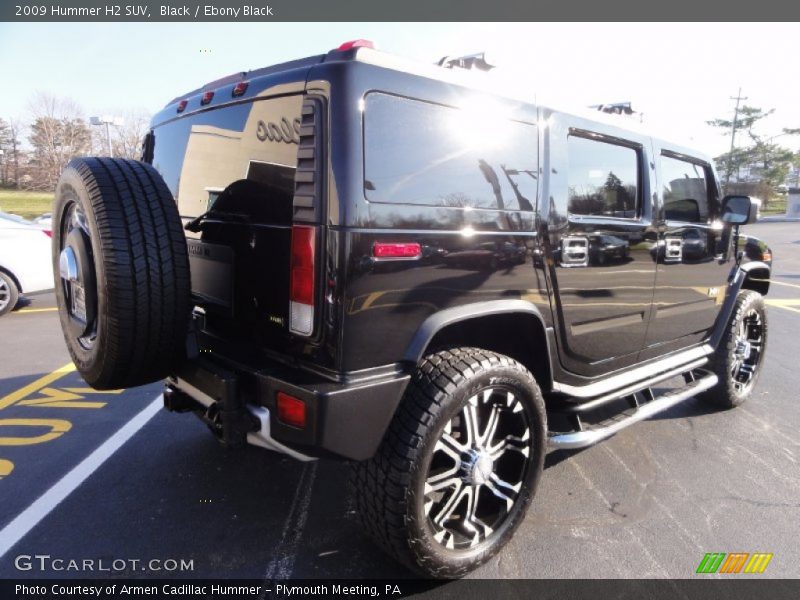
[734, 286]
[755, 264]
[449, 316]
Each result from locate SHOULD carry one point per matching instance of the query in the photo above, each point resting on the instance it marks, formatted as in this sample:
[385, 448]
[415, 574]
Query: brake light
[47, 232]
[291, 410]
[301, 292]
[239, 89]
[382, 250]
[356, 44]
[182, 105]
[207, 97]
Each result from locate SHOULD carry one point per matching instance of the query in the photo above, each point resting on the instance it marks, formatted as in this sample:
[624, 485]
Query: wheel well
[757, 280]
[518, 335]
[13, 278]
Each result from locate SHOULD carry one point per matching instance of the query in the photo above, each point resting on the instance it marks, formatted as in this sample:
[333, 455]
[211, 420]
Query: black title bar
[699, 588]
[397, 10]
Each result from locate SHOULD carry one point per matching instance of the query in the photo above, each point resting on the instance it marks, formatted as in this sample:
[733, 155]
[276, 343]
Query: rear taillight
[291, 410]
[47, 232]
[301, 287]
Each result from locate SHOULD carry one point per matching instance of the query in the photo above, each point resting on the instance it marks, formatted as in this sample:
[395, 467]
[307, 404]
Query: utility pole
[738, 99]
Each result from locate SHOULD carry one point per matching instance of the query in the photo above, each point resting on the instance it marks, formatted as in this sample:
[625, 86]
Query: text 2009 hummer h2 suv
[354, 256]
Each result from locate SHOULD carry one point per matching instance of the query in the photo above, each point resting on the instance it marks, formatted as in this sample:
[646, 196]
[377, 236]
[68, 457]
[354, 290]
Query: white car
[25, 263]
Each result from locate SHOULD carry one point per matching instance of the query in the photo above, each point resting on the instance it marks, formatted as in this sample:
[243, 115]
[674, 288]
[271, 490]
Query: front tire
[459, 464]
[737, 362]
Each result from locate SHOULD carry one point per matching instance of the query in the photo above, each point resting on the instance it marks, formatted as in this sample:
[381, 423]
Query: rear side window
[684, 190]
[421, 153]
[603, 178]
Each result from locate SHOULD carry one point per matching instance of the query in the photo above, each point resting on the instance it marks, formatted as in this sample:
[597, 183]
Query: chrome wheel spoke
[749, 347]
[440, 482]
[503, 490]
[513, 443]
[77, 275]
[450, 446]
[471, 521]
[450, 504]
[466, 499]
[470, 416]
[491, 427]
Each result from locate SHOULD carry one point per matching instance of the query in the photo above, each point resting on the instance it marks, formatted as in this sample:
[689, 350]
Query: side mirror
[740, 210]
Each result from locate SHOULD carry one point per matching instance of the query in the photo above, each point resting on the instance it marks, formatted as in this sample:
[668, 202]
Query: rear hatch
[244, 175]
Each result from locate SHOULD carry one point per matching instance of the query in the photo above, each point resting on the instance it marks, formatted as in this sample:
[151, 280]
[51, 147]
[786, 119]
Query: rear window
[427, 154]
[202, 154]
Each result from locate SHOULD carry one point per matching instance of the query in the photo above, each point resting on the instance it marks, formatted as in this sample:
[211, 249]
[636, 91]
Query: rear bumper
[345, 419]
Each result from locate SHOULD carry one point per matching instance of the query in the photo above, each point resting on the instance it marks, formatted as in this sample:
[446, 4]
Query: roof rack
[616, 108]
[470, 61]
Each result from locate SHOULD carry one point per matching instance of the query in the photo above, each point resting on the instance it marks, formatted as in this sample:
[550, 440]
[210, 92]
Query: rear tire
[122, 271]
[737, 362]
[444, 493]
[9, 294]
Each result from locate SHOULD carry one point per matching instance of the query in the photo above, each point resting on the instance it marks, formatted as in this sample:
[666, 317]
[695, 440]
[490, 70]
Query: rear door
[694, 258]
[601, 234]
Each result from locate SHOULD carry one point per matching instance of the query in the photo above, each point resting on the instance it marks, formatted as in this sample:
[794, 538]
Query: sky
[678, 75]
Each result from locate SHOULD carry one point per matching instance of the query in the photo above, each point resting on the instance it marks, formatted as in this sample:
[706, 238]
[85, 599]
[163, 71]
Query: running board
[581, 439]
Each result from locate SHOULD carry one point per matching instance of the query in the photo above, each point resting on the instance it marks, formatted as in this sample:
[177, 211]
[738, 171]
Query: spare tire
[121, 272]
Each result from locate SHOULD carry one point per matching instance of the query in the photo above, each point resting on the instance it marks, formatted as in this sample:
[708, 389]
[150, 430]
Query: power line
[738, 99]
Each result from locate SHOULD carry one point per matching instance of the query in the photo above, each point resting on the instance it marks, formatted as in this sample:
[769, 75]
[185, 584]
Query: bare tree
[10, 152]
[127, 140]
[58, 133]
[126, 135]
[5, 147]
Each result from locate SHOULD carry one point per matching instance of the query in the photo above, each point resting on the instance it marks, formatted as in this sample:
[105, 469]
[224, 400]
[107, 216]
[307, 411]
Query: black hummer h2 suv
[359, 257]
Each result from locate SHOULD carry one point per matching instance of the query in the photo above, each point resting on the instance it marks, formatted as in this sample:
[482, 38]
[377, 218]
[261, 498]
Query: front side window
[684, 190]
[421, 153]
[603, 178]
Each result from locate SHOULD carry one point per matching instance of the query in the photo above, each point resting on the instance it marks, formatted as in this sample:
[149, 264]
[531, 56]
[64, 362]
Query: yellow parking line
[35, 385]
[797, 310]
[786, 304]
[794, 285]
[35, 310]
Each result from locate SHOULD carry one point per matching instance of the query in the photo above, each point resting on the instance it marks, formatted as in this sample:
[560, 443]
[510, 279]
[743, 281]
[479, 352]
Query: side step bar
[582, 439]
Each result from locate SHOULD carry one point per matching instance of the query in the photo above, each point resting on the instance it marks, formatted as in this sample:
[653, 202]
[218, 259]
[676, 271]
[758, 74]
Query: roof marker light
[239, 89]
[207, 97]
[356, 44]
[182, 105]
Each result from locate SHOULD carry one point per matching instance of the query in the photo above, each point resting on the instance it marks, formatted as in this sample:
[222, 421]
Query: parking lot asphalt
[86, 475]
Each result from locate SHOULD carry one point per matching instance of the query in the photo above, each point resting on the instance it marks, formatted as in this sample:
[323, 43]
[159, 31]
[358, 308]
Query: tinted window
[603, 178]
[684, 190]
[421, 153]
[200, 155]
